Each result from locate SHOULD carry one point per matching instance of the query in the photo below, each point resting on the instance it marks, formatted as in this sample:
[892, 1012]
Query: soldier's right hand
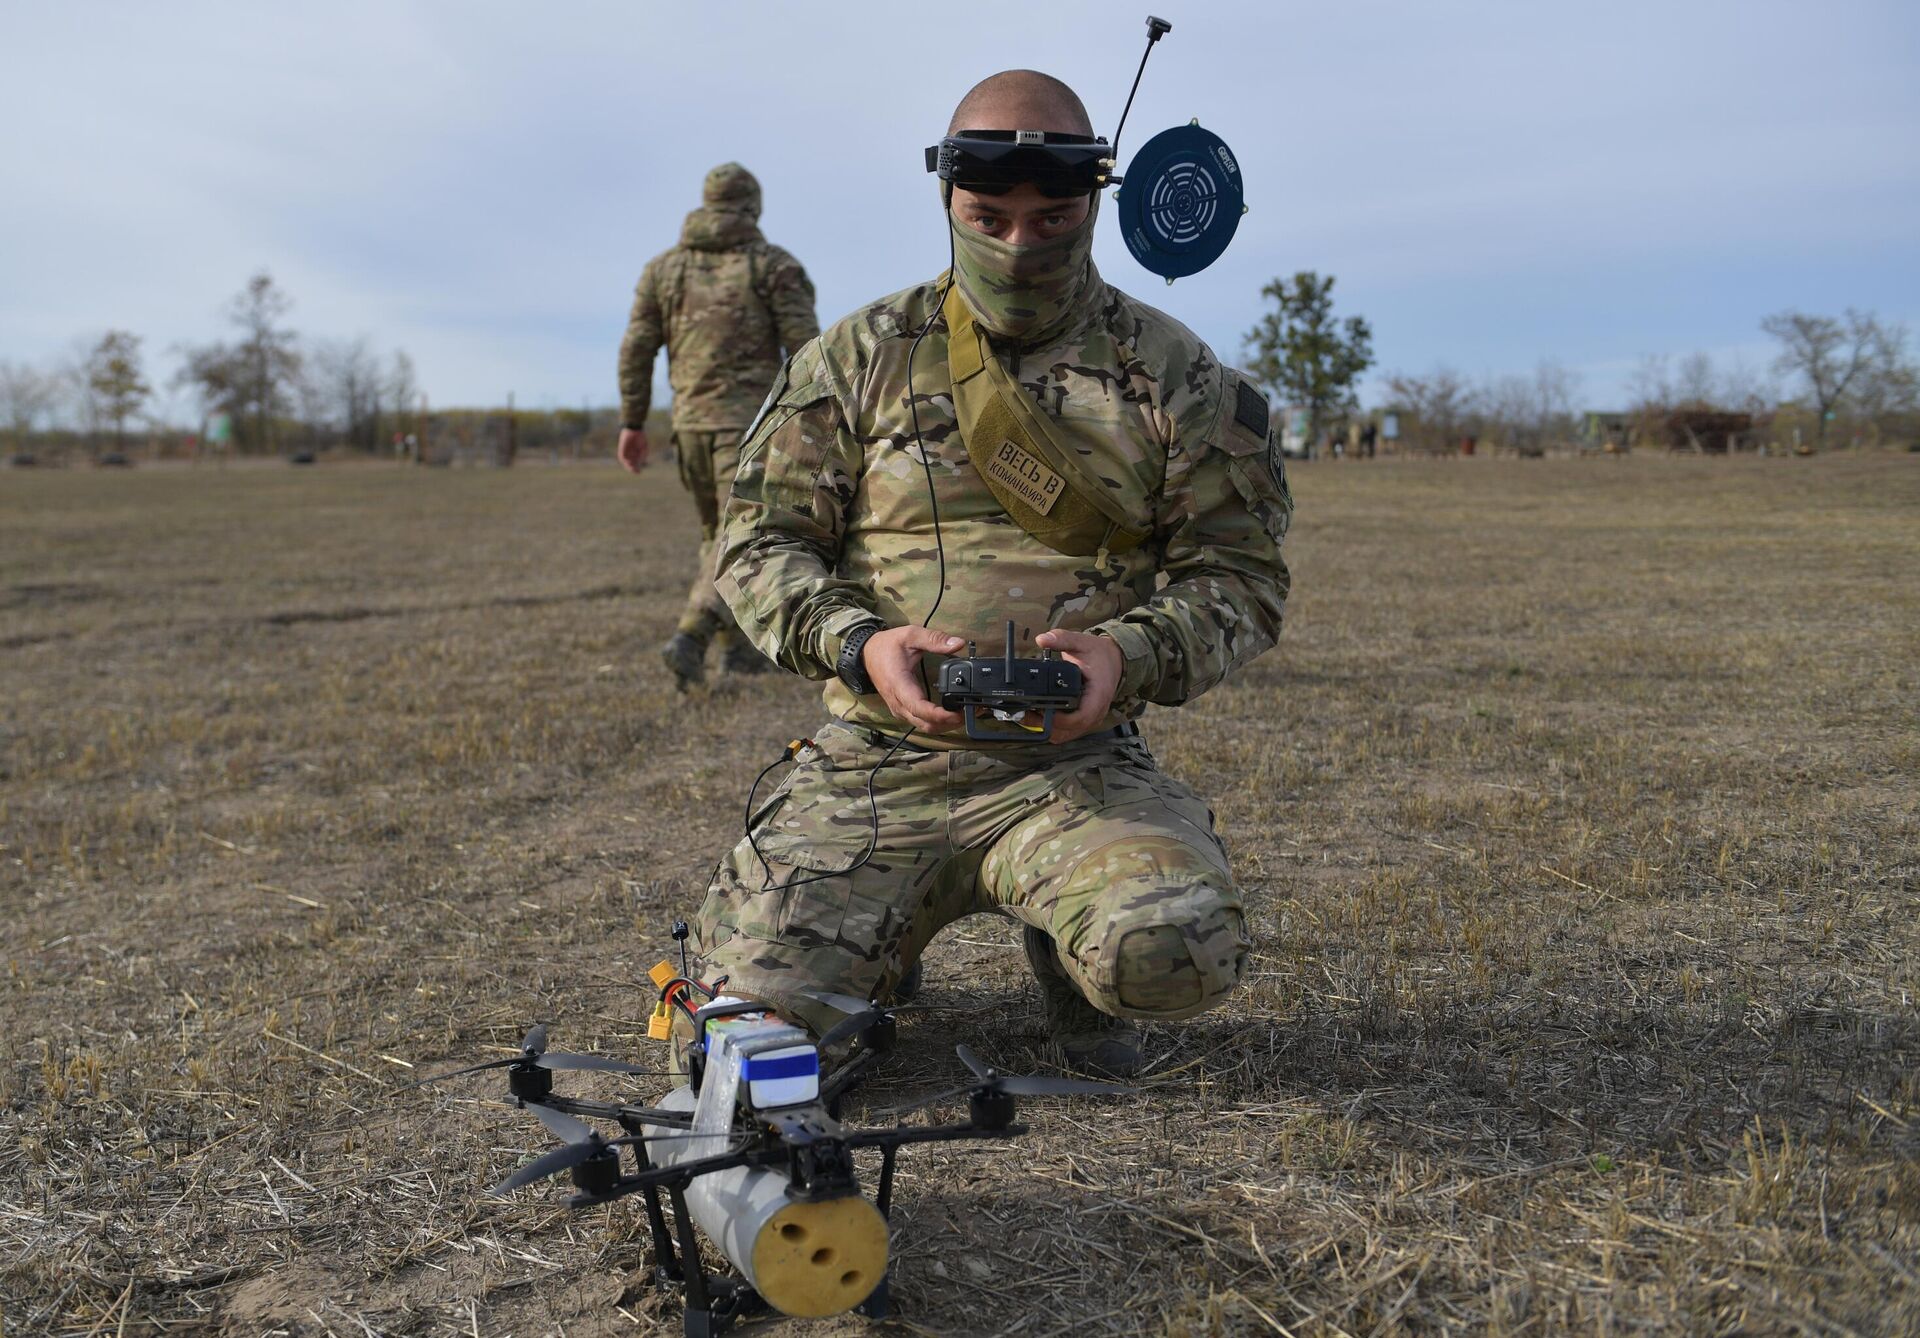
[892, 660]
[632, 449]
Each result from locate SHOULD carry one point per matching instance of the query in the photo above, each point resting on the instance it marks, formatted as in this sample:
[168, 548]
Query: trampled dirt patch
[1578, 811]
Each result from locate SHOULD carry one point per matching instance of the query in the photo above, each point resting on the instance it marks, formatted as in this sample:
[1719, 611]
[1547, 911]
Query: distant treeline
[269, 392]
[1848, 380]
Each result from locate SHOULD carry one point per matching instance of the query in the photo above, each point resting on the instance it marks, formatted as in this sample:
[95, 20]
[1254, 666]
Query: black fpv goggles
[993, 162]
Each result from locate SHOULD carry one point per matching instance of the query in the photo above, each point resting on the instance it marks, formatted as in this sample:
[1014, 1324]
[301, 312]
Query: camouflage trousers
[1088, 841]
[707, 462]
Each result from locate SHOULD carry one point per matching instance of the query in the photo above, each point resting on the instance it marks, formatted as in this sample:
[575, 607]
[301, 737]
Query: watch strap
[850, 668]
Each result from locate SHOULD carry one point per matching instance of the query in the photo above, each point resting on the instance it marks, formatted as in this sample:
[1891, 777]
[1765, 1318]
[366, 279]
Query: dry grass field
[1579, 809]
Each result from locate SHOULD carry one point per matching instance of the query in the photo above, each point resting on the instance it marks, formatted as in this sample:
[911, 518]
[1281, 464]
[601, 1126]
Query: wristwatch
[849, 667]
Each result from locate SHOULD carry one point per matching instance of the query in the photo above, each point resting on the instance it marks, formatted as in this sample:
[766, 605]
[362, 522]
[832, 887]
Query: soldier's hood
[709, 229]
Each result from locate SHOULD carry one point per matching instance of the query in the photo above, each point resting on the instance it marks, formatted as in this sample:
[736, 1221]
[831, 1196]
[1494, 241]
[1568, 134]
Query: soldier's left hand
[1100, 664]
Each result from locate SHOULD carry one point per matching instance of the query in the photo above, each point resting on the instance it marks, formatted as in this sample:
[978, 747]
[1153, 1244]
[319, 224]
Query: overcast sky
[479, 183]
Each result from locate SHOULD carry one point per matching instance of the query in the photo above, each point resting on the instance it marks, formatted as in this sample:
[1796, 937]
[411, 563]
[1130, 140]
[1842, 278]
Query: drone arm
[902, 1134]
[626, 1116]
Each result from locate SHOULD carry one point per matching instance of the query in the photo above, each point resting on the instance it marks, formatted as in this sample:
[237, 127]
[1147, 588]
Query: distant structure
[1606, 430]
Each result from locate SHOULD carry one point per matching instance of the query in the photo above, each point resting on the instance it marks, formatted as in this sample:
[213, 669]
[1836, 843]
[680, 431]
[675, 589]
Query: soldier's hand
[1100, 664]
[632, 449]
[892, 661]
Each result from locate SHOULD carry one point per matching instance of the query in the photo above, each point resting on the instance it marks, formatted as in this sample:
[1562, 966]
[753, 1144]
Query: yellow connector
[661, 974]
[660, 1025]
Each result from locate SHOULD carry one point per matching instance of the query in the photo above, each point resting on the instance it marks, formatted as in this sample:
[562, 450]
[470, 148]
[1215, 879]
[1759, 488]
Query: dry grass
[1579, 808]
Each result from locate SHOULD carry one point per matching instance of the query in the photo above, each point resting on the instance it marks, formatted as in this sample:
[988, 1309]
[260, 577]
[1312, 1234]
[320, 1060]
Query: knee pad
[1174, 958]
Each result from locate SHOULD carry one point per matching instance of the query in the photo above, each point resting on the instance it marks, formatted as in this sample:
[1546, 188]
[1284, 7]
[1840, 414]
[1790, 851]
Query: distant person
[729, 306]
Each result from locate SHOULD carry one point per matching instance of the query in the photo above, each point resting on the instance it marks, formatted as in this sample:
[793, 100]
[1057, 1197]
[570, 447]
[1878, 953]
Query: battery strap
[1038, 478]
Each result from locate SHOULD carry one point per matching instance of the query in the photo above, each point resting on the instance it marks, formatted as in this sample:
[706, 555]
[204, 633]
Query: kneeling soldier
[1023, 442]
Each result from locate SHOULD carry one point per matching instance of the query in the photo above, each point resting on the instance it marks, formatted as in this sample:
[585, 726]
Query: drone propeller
[846, 1003]
[991, 1079]
[533, 1054]
[567, 1128]
[1037, 1084]
[853, 1028]
[864, 1017]
[580, 1143]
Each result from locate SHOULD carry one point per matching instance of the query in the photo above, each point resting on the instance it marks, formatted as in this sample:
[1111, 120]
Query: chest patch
[1026, 477]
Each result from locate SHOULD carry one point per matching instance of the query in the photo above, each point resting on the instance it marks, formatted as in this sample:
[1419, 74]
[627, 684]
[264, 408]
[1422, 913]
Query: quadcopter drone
[751, 1151]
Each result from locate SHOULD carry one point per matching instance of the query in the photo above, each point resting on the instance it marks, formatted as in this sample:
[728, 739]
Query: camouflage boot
[686, 657]
[1087, 1037]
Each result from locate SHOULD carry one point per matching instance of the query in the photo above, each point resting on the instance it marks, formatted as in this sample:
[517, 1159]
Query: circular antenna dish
[1180, 201]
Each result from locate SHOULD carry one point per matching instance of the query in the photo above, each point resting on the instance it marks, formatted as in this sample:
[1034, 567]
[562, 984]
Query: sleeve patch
[1250, 410]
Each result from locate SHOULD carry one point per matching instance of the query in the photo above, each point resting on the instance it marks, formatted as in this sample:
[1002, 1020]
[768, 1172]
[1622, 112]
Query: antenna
[1156, 29]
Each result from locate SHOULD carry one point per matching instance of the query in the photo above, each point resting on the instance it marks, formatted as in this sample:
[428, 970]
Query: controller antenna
[680, 936]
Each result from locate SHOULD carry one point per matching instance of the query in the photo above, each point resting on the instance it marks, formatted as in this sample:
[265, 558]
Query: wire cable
[940, 592]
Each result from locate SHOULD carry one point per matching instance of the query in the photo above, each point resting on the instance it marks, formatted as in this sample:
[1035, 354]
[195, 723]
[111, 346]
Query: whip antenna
[1156, 29]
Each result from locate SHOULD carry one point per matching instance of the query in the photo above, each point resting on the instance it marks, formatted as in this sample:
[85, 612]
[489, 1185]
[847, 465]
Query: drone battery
[768, 1062]
[784, 1077]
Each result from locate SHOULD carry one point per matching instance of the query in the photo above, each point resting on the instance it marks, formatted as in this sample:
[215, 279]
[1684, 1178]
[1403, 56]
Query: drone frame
[806, 1140]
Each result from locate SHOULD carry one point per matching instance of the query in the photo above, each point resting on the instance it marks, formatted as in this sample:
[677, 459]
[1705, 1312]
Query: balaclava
[1024, 292]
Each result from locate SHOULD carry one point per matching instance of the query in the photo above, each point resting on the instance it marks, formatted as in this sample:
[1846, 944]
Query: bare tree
[1744, 389]
[1889, 385]
[1828, 354]
[1651, 384]
[1528, 412]
[1438, 403]
[27, 394]
[403, 389]
[1697, 383]
[350, 386]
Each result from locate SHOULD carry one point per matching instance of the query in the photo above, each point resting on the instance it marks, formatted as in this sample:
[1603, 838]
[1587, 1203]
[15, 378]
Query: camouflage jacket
[829, 525]
[725, 302]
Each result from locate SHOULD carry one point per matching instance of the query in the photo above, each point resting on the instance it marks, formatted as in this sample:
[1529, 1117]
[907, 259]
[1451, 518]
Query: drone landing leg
[876, 1306]
[666, 1268]
[713, 1303]
[884, 1199]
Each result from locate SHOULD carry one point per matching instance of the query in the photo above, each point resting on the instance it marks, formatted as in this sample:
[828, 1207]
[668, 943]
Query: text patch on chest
[1029, 480]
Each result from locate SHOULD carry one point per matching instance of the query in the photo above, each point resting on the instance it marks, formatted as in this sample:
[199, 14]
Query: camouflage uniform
[829, 527]
[724, 302]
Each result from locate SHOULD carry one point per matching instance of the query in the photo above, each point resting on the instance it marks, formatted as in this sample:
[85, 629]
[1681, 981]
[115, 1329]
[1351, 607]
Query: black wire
[1129, 107]
[747, 820]
[940, 549]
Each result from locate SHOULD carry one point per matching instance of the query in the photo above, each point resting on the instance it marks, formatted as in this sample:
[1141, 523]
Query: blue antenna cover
[1180, 201]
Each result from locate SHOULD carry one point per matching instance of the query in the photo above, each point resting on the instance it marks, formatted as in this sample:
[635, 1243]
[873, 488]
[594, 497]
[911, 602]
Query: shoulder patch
[1250, 410]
